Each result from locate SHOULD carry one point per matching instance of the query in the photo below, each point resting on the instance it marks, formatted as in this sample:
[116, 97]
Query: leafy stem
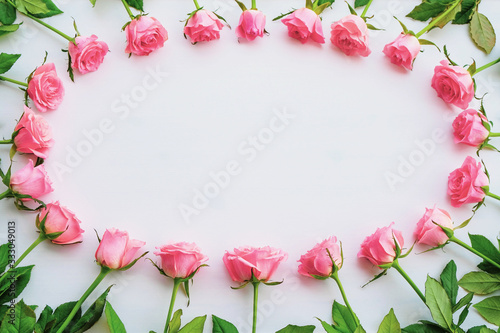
[177, 283]
[366, 9]
[471, 249]
[335, 276]
[396, 265]
[439, 18]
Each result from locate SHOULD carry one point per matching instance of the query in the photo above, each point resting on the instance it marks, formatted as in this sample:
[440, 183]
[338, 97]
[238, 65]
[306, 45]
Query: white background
[355, 120]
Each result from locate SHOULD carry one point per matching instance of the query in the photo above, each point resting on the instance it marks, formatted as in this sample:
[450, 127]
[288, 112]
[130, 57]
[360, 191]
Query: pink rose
[60, 219]
[116, 250]
[350, 35]
[317, 262]
[45, 88]
[88, 53]
[428, 229]
[252, 24]
[144, 35]
[453, 84]
[34, 136]
[403, 50]
[380, 248]
[180, 260]
[465, 183]
[31, 181]
[303, 24]
[203, 26]
[262, 261]
[468, 128]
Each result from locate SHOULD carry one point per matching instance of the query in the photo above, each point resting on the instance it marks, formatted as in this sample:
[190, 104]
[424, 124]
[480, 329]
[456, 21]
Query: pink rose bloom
[34, 136]
[203, 26]
[144, 35]
[116, 250]
[428, 229]
[403, 50]
[468, 128]
[88, 53]
[180, 260]
[380, 248]
[317, 262]
[453, 84]
[252, 24]
[263, 261]
[60, 219]
[465, 183]
[303, 24]
[45, 88]
[31, 181]
[350, 35]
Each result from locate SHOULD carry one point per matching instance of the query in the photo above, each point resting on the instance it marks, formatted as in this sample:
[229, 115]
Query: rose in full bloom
[45, 88]
[180, 260]
[304, 24]
[317, 262]
[468, 128]
[31, 180]
[252, 24]
[262, 261]
[145, 35]
[60, 219]
[380, 248]
[88, 53]
[203, 26]
[465, 183]
[116, 250]
[403, 50]
[350, 35]
[453, 84]
[34, 136]
[428, 229]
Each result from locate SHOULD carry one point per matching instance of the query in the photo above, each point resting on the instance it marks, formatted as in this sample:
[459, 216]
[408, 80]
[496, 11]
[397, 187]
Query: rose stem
[335, 276]
[395, 264]
[177, 283]
[3, 78]
[492, 195]
[127, 8]
[471, 249]
[254, 4]
[196, 4]
[255, 301]
[366, 9]
[482, 68]
[434, 21]
[5, 194]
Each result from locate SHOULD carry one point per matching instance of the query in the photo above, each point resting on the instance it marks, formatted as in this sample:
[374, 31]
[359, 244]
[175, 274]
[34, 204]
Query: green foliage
[482, 32]
[297, 329]
[480, 283]
[21, 321]
[489, 308]
[390, 324]
[14, 284]
[360, 3]
[438, 303]
[7, 13]
[222, 326]
[114, 322]
[37, 8]
[486, 247]
[6, 63]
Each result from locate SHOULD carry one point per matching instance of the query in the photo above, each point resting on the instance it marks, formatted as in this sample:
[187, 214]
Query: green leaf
[480, 283]
[45, 321]
[423, 328]
[18, 277]
[440, 22]
[7, 29]
[489, 308]
[463, 315]
[465, 14]
[390, 324]
[360, 3]
[4, 253]
[297, 329]
[37, 8]
[93, 2]
[194, 326]
[242, 5]
[480, 329]
[360, 329]
[486, 247]
[175, 322]
[438, 303]
[482, 32]
[7, 61]
[137, 4]
[463, 302]
[426, 10]
[329, 328]
[343, 318]
[114, 322]
[92, 315]
[62, 312]
[222, 326]
[449, 281]
[7, 13]
[22, 321]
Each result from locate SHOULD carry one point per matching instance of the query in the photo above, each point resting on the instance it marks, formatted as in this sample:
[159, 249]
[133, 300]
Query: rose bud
[32, 181]
[468, 128]
[145, 35]
[403, 50]
[350, 35]
[252, 24]
[34, 134]
[380, 247]
[116, 250]
[88, 53]
[203, 26]
[453, 84]
[45, 88]
[317, 262]
[244, 261]
[54, 219]
[304, 24]
[180, 260]
[465, 183]
[429, 231]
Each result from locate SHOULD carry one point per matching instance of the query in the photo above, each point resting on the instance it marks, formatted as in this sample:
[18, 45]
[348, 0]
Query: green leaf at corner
[482, 32]
[438, 303]
[328, 328]
[467, 9]
[222, 326]
[7, 29]
[297, 329]
[4, 251]
[449, 281]
[489, 308]
[22, 321]
[93, 2]
[486, 247]
[194, 326]
[360, 3]
[7, 61]
[390, 324]
[114, 322]
[137, 4]
[92, 315]
[20, 277]
[175, 322]
[480, 329]
[427, 10]
[45, 321]
[7, 13]
[480, 283]
[423, 328]
[38, 8]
